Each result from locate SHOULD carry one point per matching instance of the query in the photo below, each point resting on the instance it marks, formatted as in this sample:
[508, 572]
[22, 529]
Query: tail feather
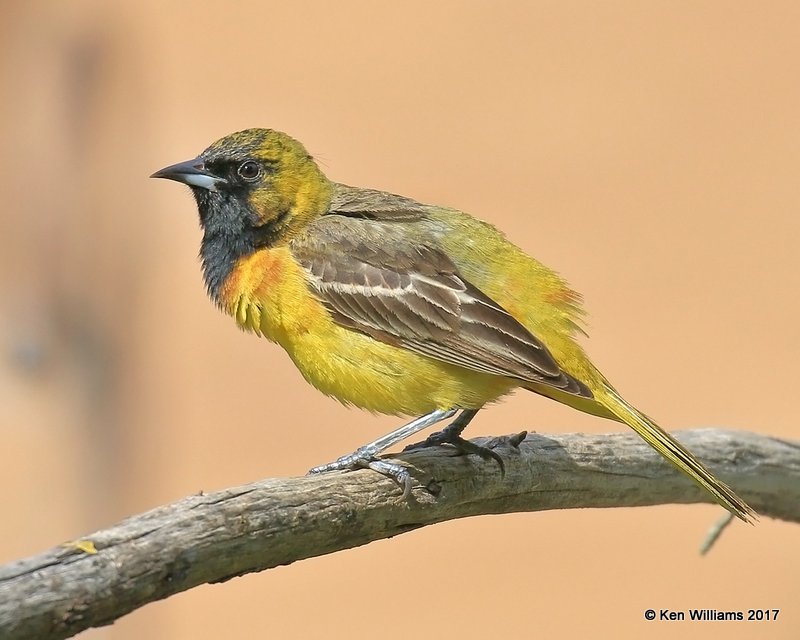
[676, 453]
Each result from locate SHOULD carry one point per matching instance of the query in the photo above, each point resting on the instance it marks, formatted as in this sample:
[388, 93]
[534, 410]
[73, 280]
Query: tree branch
[216, 536]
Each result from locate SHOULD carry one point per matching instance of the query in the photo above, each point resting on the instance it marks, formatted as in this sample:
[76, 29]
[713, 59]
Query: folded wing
[374, 277]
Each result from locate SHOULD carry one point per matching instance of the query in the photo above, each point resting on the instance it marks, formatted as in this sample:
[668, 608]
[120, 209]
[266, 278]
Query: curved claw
[394, 471]
[366, 456]
[363, 460]
[451, 436]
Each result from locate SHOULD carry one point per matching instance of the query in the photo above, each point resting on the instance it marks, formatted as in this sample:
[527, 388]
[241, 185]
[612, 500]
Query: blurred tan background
[649, 151]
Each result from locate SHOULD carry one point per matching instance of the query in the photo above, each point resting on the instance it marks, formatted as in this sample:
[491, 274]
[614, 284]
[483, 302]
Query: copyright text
[711, 615]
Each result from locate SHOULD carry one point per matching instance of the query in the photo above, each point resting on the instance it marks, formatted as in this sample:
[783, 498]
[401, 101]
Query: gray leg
[365, 457]
[451, 434]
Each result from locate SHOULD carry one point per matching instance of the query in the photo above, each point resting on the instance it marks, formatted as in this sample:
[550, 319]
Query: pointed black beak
[191, 172]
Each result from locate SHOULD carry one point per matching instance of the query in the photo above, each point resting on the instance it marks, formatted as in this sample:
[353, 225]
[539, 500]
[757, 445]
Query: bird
[395, 306]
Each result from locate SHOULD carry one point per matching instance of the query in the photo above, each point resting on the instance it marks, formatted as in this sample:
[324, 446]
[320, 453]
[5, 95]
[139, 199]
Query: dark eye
[249, 170]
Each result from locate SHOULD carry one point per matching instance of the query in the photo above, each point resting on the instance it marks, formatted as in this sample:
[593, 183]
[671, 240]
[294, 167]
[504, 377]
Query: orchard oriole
[392, 305]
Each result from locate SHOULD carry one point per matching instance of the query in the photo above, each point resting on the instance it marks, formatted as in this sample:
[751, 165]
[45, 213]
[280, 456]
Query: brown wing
[374, 279]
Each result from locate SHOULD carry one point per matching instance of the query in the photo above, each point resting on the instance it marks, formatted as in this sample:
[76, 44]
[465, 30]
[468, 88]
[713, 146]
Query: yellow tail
[675, 452]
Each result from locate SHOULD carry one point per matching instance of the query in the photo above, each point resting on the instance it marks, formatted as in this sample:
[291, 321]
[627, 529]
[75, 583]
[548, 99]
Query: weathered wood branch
[215, 536]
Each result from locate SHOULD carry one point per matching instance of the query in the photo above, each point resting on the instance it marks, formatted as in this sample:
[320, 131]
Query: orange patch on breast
[260, 271]
[267, 292]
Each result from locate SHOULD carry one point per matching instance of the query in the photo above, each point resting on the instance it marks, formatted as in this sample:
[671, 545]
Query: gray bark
[215, 536]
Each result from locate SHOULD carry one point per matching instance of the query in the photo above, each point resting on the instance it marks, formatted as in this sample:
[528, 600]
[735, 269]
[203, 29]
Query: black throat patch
[230, 234]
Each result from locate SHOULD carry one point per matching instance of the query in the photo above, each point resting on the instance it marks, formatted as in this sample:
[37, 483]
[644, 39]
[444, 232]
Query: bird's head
[258, 186]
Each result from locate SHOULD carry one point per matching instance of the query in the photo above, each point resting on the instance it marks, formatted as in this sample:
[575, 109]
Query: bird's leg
[451, 434]
[453, 430]
[365, 457]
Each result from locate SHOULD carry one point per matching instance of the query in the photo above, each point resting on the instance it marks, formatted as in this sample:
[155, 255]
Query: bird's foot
[365, 458]
[451, 435]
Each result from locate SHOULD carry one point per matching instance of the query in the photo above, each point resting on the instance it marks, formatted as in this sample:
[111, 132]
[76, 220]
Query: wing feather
[372, 278]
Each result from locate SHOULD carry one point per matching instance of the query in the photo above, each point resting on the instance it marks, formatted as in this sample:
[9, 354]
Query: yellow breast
[267, 293]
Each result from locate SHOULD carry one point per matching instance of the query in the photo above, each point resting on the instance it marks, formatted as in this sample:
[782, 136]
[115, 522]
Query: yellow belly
[267, 293]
